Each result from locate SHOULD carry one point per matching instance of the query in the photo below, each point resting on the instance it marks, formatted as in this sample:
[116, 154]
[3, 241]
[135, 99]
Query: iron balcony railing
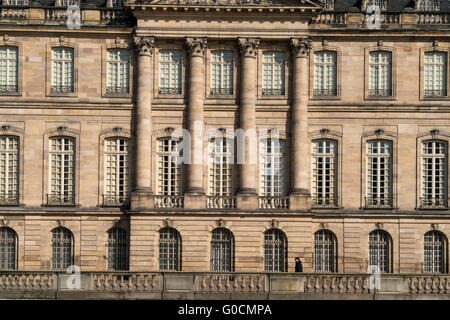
[114, 200]
[378, 203]
[8, 88]
[380, 92]
[8, 199]
[433, 203]
[272, 92]
[61, 89]
[117, 89]
[171, 90]
[435, 93]
[321, 202]
[325, 92]
[57, 199]
[221, 91]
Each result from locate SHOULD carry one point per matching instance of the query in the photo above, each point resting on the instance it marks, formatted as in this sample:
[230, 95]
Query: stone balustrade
[220, 202]
[272, 203]
[168, 201]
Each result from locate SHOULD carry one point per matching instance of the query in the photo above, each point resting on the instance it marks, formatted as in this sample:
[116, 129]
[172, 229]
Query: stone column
[194, 197]
[300, 198]
[142, 196]
[247, 196]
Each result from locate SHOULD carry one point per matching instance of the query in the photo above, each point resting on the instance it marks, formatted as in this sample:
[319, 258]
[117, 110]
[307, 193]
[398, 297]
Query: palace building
[350, 108]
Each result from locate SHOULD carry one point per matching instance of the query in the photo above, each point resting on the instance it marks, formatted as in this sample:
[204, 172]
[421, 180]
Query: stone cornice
[196, 46]
[145, 46]
[249, 47]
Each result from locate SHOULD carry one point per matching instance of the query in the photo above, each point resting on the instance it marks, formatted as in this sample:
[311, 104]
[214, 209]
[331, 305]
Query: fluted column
[142, 191]
[247, 197]
[301, 169]
[195, 193]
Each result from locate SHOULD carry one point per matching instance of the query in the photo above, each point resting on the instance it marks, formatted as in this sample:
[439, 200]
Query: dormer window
[379, 3]
[328, 4]
[427, 5]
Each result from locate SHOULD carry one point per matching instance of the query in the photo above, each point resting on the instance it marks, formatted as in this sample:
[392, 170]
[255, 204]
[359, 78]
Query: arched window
[169, 170]
[9, 170]
[116, 171]
[380, 250]
[220, 167]
[222, 250]
[117, 249]
[324, 251]
[275, 250]
[8, 247]
[62, 248]
[62, 171]
[435, 252]
[272, 167]
[324, 165]
[169, 249]
[379, 174]
[434, 174]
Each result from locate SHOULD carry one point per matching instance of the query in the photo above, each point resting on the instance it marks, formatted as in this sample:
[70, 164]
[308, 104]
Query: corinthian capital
[196, 46]
[249, 47]
[144, 45]
[301, 47]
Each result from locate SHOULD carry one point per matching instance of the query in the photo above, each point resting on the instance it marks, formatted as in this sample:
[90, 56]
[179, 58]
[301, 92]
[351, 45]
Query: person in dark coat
[298, 265]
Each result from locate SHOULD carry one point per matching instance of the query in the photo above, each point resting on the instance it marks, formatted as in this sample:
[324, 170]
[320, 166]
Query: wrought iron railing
[172, 201]
[61, 89]
[330, 202]
[115, 89]
[8, 88]
[8, 199]
[58, 199]
[220, 202]
[435, 93]
[433, 203]
[325, 92]
[378, 203]
[380, 92]
[113, 200]
[221, 91]
[273, 202]
[272, 92]
[173, 90]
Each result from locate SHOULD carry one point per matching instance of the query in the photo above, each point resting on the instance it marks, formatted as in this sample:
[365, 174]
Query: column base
[142, 199]
[300, 199]
[247, 199]
[195, 199]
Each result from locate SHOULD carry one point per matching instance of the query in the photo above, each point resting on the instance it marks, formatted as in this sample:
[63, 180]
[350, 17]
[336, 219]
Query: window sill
[11, 93]
[61, 205]
[325, 98]
[62, 94]
[443, 98]
[117, 95]
[377, 98]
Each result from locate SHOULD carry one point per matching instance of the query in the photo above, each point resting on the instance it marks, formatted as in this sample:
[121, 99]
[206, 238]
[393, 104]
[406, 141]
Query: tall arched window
[272, 168]
[379, 174]
[169, 249]
[434, 174]
[62, 248]
[324, 165]
[380, 250]
[169, 170]
[275, 250]
[62, 171]
[116, 171]
[8, 247]
[9, 170]
[222, 250]
[117, 249]
[324, 251]
[435, 252]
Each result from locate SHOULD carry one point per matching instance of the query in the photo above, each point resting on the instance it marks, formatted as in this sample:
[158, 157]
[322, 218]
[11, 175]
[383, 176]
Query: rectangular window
[8, 69]
[9, 170]
[169, 171]
[325, 73]
[116, 171]
[379, 185]
[62, 171]
[272, 182]
[221, 72]
[324, 172]
[273, 73]
[62, 70]
[435, 70]
[118, 70]
[220, 168]
[169, 72]
[380, 74]
[434, 174]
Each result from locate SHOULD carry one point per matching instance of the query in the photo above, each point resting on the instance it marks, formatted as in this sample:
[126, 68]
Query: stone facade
[296, 28]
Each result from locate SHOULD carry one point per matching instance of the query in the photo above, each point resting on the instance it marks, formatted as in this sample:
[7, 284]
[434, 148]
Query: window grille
[116, 170]
[9, 170]
[222, 250]
[272, 168]
[380, 73]
[324, 172]
[325, 73]
[169, 72]
[434, 174]
[8, 247]
[379, 173]
[118, 69]
[169, 171]
[221, 72]
[8, 69]
[275, 250]
[117, 249]
[380, 250]
[220, 167]
[435, 252]
[324, 251]
[273, 73]
[435, 74]
[62, 248]
[169, 250]
[62, 70]
[62, 170]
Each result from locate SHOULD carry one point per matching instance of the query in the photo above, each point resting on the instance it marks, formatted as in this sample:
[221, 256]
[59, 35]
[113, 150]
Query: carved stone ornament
[5, 38]
[434, 133]
[144, 45]
[301, 47]
[167, 222]
[274, 223]
[117, 130]
[4, 128]
[220, 223]
[378, 225]
[196, 46]
[61, 129]
[323, 225]
[61, 40]
[168, 131]
[249, 47]
[379, 132]
[324, 131]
